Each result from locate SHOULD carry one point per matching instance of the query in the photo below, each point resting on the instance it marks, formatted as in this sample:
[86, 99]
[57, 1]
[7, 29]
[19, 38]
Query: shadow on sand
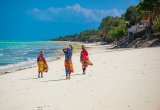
[62, 79]
[54, 80]
[29, 78]
[76, 74]
[72, 75]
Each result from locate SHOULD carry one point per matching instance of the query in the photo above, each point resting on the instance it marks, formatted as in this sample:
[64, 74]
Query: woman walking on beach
[68, 61]
[84, 59]
[42, 64]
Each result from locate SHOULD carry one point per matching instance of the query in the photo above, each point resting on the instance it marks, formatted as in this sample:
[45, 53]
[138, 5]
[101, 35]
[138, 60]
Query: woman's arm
[37, 60]
[64, 50]
[81, 57]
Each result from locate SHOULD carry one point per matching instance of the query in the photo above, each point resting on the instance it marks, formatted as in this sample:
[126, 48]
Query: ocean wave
[22, 53]
[8, 55]
[29, 59]
[23, 65]
[1, 49]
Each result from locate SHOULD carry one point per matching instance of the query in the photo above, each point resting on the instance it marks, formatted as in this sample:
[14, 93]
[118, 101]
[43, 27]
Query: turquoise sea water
[12, 53]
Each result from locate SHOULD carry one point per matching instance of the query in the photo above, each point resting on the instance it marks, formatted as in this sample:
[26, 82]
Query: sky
[47, 19]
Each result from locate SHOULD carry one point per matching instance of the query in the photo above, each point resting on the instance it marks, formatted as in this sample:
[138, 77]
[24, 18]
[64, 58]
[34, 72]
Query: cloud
[72, 13]
[88, 13]
[40, 14]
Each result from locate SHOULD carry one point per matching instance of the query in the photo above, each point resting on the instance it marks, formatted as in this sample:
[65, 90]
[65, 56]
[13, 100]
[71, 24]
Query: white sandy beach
[122, 79]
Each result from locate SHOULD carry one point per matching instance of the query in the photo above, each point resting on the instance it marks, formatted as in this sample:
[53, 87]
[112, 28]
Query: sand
[120, 79]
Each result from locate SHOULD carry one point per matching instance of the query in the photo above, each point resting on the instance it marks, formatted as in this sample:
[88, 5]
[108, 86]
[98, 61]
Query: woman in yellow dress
[42, 64]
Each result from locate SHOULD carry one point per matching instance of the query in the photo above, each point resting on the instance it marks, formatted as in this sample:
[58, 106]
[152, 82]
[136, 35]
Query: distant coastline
[139, 26]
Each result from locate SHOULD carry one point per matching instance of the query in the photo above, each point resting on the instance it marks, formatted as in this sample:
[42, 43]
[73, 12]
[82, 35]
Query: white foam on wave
[24, 53]
[23, 65]
[29, 59]
[18, 66]
[1, 54]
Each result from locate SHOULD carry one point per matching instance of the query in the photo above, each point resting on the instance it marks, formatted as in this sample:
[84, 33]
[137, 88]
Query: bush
[156, 24]
[117, 32]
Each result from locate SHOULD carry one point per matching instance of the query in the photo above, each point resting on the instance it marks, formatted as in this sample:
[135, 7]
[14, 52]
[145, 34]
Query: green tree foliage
[156, 24]
[149, 9]
[132, 15]
[66, 38]
[89, 35]
[150, 5]
[84, 36]
[109, 22]
[117, 32]
[113, 27]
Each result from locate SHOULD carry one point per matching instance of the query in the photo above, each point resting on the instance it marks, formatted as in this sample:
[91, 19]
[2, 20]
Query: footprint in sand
[41, 108]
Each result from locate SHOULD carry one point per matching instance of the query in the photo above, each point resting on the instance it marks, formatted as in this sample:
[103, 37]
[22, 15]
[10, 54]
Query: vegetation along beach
[80, 55]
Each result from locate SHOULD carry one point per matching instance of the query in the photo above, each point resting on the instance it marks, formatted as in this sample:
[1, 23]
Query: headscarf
[69, 53]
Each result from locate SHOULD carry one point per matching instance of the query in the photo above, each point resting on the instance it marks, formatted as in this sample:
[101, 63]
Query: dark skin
[64, 50]
[84, 70]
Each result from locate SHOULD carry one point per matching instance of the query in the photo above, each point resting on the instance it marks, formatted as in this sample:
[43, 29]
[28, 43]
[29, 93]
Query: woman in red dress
[84, 59]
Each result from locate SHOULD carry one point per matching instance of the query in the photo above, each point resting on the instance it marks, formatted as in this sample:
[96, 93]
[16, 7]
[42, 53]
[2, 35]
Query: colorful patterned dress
[68, 61]
[42, 67]
[85, 59]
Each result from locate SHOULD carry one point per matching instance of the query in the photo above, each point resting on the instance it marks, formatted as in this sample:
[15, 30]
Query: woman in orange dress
[68, 61]
[84, 59]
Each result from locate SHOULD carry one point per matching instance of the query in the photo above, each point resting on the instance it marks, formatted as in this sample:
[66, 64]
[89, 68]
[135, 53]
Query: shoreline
[6, 69]
[90, 46]
[24, 66]
[9, 68]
